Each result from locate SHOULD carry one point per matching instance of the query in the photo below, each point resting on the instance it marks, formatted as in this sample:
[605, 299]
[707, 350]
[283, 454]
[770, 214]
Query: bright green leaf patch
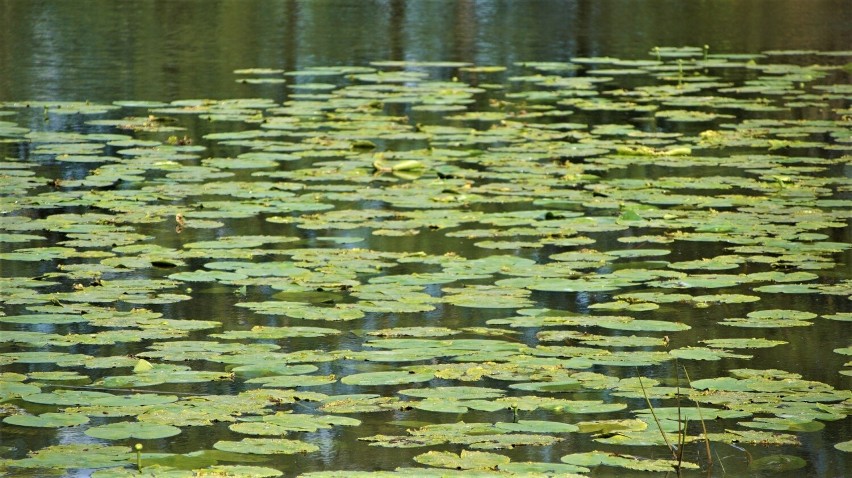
[466, 460]
[386, 378]
[47, 420]
[138, 430]
[629, 462]
[266, 446]
[752, 343]
[76, 455]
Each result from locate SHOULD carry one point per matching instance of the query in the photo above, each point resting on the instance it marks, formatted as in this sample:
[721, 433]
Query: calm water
[165, 50]
[104, 51]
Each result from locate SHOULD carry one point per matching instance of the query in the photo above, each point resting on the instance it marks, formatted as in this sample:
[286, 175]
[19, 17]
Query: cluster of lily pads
[506, 250]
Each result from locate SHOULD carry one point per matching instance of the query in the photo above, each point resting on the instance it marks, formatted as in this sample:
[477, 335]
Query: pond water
[555, 237]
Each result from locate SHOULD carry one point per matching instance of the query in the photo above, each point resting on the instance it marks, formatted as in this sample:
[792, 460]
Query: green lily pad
[450, 393]
[386, 378]
[291, 381]
[266, 332]
[569, 385]
[139, 430]
[373, 195]
[266, 446]
[77, 455]
[772, 318]
[274, 368]
[841, 316]
[450, 405]
[43, 319]
[150, 471]
[466, 460]
[47, 420]
[704, 353]
[784, 424]
[415, 332]
[58, 376]
[157, 470]
[537, 426]
[362, 403]
[596, 458]
[68, 397]
[488, 296]
[136, 399]
[12, 389]
[281, 423]
[609, 426]
[750, 343]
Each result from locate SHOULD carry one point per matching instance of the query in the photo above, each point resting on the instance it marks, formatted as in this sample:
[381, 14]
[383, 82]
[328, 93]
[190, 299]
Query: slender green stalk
[681, 426]
[138, 448]
[657, 420]
[703, 425]
[721, 463]
[681, 443]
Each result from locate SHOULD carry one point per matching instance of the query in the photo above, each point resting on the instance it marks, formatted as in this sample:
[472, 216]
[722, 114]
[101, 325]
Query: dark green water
[105, 51]
[165, 50]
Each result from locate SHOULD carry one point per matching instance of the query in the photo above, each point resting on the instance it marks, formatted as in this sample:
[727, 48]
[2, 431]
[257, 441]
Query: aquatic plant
[403, 243]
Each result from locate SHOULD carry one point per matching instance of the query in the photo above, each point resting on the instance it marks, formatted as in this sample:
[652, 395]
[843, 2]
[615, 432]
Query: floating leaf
[67, 397]
[77, 455]
[703, 353]
[466, 460]
[47, 420]
[751, 343]
[371, 194]
[447, 393]
[386, 378]
[291, 381]
[139, 430]
[537, 426]
[596, 458]
[266, 446]
[557, 386]
[784, 424]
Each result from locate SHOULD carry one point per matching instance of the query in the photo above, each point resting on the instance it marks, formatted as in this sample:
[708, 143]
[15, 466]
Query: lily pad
[466, 460]
[750, 343]
[386, 378]
[77, 455]
[537, 426]
[266, 446]
[635, 463]
[448, 393]
[47, 420]
[139, 430]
